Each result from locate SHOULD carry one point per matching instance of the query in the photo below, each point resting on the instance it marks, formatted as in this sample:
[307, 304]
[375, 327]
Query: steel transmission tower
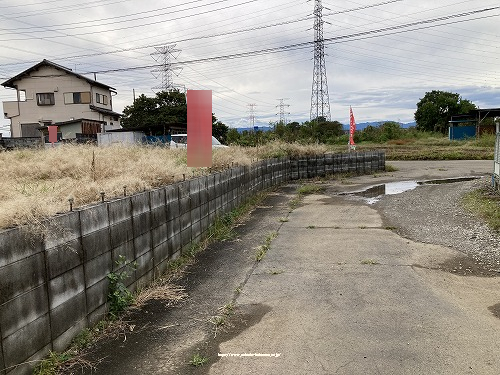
[320, 102]
[282, 113]
[163, 56]
[252, 114]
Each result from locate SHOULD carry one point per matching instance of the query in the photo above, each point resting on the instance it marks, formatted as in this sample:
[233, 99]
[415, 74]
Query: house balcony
[11, 109]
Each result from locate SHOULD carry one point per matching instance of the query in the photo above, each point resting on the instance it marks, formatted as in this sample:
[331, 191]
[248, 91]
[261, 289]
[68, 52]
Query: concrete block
[183, 188]
[212, 204]
[23, 310]
[97, 315]
[98, 269]
[96, 243]
[121, 232]
[97, 296]
[66, 286]
[146, 279]
[125, 250]
[157, 198]
[173, 227]
[158, 216]
[185, 220]
[204, 210]
[17, 244]
[184, 205]
[160, 253]
[142, 244]
[218, 205]
[62, 229]
[211, 218]
[196, 230]
[67, 314]
[140, 203]
[64, 257]
[172, 205]
[62, 342]
[194, 192]
[21, 276]
[204, 224]
[27, 341]
[119, 210]
[27, 367]
[161, 268]
[186, 237]
[160, 234]
[195, 214]
[145, 264]
[142, 223]
[203, 189]
[94, 218]
[174, 244]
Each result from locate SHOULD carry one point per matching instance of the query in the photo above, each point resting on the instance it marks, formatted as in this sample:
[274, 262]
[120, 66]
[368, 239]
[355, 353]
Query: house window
[76, 97]
[22, 95]
[45, 98]
[101, 99]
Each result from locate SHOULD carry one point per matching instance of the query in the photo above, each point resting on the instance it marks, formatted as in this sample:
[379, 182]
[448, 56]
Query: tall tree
[166, 107]
[435, 109]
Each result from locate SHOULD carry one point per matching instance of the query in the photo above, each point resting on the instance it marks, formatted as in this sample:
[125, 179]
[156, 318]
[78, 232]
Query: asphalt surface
[338, 292]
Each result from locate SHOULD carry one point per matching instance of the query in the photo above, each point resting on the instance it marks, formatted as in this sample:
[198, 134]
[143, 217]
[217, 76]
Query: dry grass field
[37, 183]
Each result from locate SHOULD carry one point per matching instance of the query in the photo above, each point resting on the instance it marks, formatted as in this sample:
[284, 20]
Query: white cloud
[382, 77]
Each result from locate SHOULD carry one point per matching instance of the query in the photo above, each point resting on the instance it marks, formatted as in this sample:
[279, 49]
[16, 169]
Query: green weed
[198, 360]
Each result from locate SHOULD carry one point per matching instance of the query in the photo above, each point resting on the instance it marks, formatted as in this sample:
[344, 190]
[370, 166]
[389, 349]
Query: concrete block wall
[54, 285]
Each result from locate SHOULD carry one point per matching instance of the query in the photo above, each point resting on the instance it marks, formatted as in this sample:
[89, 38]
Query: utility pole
[320, 102]
[163, 56]
[282, 113]
[252, 114]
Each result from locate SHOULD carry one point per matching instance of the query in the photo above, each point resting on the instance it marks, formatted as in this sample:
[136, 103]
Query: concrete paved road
[341, 294]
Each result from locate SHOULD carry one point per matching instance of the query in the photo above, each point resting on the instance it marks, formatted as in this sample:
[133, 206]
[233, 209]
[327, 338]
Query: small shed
[472, 124]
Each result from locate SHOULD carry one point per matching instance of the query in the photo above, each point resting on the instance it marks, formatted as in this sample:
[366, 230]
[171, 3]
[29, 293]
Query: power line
[339, 39]
[134, 26]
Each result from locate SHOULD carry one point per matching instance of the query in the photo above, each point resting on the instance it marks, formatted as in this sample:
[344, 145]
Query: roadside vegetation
[485, 203]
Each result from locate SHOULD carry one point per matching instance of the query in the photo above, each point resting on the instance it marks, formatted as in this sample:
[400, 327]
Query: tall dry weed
[37, 183]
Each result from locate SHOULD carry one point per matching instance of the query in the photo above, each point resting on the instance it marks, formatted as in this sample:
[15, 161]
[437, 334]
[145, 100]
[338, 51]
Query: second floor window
[45, 98]
[77, 97]
[101, 99]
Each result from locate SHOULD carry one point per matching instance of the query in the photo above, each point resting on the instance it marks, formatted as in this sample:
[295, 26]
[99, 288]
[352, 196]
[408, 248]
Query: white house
[50, 94]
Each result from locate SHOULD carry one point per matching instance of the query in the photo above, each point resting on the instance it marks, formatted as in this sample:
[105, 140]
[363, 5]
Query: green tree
[219, 130]
[166, 107]
[232, 136]
[435, 109]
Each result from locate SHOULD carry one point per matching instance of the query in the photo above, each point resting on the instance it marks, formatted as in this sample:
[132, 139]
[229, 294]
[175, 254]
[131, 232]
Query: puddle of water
[374, 193]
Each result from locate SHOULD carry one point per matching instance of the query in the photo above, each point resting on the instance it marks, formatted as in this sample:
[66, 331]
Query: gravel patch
[434, 214]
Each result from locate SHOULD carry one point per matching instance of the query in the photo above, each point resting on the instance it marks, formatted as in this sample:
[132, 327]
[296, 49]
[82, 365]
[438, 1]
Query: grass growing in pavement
[198, 360]
[369, 261]
[310, 189]
[262, 249]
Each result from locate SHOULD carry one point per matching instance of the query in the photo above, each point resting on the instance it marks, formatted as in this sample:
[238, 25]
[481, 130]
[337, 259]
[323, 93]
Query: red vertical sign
[352, 128]
[199, 128]
[52, 133]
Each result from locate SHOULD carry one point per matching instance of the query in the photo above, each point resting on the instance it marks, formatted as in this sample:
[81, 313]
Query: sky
[381, 56]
